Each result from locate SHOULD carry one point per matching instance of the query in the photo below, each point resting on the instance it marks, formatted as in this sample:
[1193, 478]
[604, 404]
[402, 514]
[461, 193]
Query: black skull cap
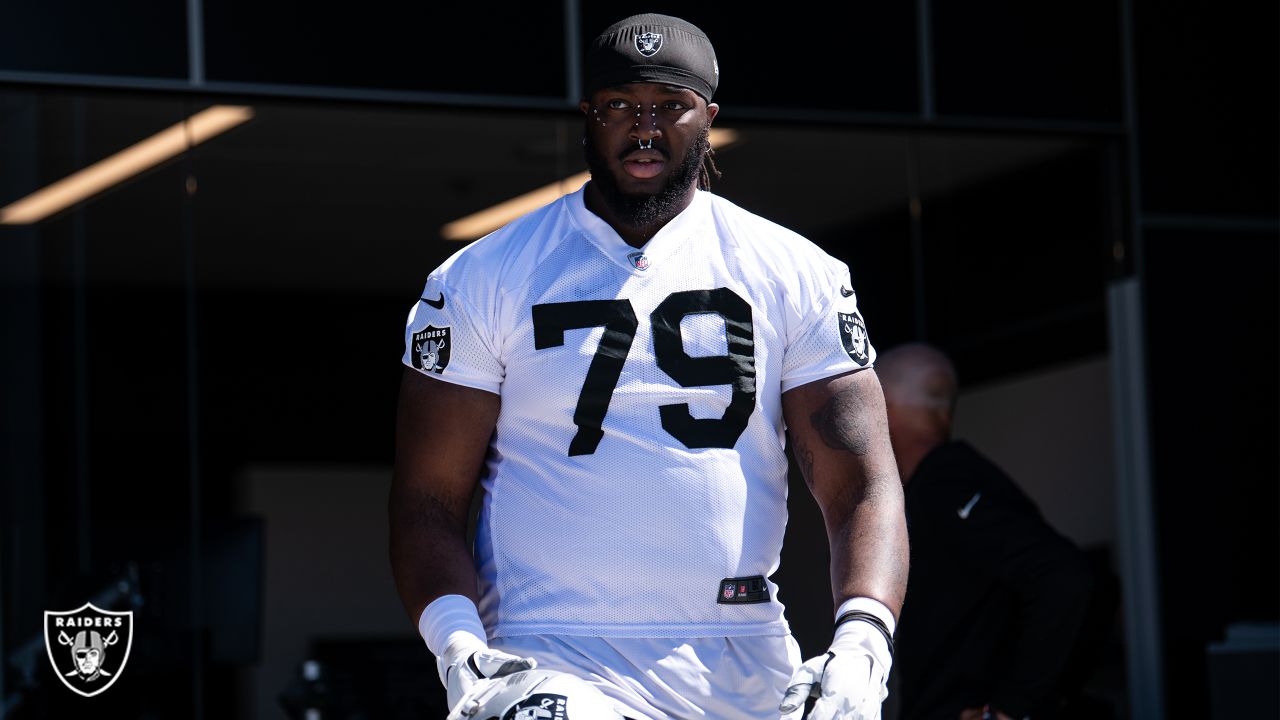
[652, 48]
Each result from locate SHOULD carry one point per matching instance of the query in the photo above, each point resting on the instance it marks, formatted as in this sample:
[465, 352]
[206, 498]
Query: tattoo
[804, 458]
[844, 421]
[421, 510]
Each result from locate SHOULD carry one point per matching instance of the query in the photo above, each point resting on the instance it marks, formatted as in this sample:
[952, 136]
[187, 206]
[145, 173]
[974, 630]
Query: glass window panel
[1208, 110]
[1015, 248]
[1016, 59]
[137, 38]
[113, 466]
[1212, 295]
[469, 48]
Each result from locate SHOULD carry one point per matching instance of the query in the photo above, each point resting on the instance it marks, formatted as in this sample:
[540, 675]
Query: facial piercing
[645, 147]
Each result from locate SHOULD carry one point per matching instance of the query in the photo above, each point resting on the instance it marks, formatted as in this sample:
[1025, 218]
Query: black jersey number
[736, 369]
[619, 321]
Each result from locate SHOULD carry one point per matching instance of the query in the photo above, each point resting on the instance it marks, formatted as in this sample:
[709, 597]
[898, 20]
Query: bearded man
[625, 367]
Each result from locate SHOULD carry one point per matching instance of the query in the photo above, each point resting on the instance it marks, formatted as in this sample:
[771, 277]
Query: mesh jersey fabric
[726, 678]
[638, 457]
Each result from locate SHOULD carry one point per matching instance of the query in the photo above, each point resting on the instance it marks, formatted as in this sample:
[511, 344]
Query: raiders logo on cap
[651, 48]
[648, 44]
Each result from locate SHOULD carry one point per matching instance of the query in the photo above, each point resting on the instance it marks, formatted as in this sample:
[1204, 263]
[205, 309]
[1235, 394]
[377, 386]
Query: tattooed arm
[840, 438]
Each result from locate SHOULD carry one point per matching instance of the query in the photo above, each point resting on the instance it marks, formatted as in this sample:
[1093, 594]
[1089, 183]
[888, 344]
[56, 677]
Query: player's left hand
[849, 681]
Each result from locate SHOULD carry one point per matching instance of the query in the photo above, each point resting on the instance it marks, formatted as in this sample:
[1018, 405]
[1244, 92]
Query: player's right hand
[469, 672]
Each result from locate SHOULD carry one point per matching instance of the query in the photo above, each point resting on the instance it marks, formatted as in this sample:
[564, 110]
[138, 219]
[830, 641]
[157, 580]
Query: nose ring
[645, 147]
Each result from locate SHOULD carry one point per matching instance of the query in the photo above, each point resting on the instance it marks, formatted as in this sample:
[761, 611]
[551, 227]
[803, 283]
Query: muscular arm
[442, 435]
[840, 438]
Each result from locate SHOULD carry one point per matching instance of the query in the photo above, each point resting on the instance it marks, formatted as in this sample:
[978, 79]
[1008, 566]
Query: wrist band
[446, 616]
[872, 620]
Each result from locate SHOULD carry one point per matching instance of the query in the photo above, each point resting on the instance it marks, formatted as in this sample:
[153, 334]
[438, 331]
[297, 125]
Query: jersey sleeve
[447, 337]
[830, 337]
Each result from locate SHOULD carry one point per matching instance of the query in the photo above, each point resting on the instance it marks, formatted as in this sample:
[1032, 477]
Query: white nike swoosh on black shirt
[968, 507]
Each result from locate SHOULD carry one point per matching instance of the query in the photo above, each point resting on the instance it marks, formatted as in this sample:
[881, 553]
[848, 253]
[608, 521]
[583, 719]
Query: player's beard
[640, 210]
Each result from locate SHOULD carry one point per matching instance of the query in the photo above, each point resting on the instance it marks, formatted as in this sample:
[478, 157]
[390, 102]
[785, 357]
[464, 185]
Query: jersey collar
[638, 261]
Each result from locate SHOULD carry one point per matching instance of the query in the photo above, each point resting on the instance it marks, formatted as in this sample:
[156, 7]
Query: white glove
[467, 677]
[850, 681]
[452, 629]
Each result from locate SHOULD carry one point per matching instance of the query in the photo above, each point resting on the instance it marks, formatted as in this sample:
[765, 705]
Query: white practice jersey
[636, 485]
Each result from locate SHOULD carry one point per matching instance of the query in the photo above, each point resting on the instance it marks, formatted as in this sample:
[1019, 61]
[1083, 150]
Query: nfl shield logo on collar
[638, 261]
[88, 647]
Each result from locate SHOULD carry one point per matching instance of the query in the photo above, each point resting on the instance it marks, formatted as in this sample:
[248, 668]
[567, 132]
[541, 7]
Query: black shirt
[995, 599]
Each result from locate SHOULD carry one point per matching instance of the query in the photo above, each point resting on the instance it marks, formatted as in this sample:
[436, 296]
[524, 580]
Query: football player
[619, 371]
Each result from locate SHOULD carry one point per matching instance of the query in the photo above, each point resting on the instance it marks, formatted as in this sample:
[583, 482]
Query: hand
[849, 681]
[470, 672]
[452, 629]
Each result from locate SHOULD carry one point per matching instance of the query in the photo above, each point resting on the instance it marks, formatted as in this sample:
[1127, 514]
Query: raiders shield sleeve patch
[431, 349]
[853, 333]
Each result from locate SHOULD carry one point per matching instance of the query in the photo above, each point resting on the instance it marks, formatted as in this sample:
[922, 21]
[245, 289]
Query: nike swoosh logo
[968, 507]
[438, 303]
[845, 291]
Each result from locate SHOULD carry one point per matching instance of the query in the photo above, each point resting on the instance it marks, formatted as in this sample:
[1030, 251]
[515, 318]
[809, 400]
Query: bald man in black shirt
[996, 598]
